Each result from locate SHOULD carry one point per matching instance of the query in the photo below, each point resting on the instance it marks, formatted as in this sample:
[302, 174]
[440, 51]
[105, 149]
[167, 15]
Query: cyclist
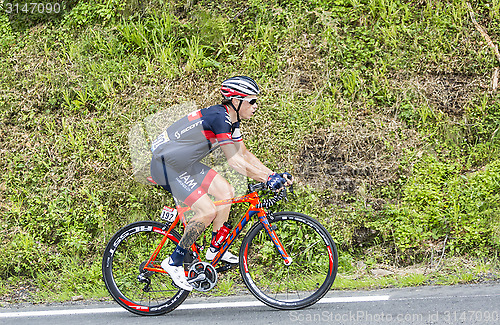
[177, 168]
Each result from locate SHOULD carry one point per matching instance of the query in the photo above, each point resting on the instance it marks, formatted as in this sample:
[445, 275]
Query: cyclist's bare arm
[250, 157]
[244, 162]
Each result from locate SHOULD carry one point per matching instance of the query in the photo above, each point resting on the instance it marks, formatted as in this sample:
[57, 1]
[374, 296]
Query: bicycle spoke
[296, 288]
[137, 290]
[302, 282]
[308, 247]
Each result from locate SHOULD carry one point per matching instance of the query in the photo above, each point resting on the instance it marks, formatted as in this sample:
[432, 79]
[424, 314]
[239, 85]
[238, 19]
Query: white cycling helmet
[239, 87]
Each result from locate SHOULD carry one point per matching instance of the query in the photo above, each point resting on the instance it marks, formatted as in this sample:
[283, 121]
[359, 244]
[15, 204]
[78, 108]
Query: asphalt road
[464, 304]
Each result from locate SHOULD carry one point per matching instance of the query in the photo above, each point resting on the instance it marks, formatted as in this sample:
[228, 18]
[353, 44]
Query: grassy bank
[382, 109]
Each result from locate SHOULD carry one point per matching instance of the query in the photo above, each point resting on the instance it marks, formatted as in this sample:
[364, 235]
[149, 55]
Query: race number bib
[168, 214]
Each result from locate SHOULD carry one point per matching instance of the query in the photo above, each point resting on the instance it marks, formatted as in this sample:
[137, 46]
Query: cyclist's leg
[222, 190]
[205, 212]
[209, 181]
[214, 184]
[186, 186]
[191, 187]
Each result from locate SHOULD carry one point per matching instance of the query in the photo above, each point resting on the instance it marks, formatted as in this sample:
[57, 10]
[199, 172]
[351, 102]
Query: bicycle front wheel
[137, 290]
[311, 273]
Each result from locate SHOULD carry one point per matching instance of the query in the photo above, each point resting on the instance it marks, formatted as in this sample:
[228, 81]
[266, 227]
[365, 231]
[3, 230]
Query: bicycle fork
[272, 234]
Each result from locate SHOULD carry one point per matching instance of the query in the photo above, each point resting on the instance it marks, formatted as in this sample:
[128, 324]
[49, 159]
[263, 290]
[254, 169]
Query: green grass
[452, 271]
[391, 96]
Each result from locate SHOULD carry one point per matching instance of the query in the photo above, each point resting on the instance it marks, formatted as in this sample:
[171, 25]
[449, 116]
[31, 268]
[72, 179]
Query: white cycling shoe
[177, 274]
[227, 257]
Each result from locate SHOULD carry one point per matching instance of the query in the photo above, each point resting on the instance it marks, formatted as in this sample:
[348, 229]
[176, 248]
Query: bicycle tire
[126, 253]
[310, 275]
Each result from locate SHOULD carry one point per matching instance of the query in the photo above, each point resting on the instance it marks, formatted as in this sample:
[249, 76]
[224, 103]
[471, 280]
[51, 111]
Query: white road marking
[238, 304]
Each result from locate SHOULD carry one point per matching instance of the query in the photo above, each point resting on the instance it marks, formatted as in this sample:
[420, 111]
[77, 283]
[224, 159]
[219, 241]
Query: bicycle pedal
[226, 267]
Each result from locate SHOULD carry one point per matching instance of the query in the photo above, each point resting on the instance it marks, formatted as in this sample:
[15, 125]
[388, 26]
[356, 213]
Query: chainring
[202, 276]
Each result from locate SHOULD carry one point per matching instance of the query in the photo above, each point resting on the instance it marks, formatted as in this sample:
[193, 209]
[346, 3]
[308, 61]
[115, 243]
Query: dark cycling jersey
[194, 136]
[177, 152]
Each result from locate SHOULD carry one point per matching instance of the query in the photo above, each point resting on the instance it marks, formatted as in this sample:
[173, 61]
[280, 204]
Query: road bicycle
[287, 260]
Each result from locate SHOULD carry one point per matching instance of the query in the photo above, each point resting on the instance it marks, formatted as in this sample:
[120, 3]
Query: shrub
[441, 202]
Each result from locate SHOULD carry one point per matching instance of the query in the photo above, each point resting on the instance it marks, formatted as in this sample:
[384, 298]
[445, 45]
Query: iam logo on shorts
[187, 181]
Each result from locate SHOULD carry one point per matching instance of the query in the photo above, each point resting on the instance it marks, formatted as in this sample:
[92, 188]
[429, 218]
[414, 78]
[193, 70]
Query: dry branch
[494, 84]
[494, 48]
[483, 32]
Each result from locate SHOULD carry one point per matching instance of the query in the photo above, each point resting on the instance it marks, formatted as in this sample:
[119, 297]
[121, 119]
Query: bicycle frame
[252, 198]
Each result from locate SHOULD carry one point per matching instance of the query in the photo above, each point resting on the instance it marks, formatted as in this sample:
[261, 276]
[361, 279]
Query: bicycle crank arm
[200, 277]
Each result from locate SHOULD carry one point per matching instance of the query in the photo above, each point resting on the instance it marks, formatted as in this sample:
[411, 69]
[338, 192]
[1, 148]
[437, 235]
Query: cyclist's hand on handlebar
[275, 182]
[288, 177]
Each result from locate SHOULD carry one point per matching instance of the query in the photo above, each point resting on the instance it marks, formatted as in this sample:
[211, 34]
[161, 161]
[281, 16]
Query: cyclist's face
[247, 109]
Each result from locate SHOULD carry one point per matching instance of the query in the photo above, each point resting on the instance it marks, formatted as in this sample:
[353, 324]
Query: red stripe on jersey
[223, 136]
[194, 115]
[194, 196]
[209, 134]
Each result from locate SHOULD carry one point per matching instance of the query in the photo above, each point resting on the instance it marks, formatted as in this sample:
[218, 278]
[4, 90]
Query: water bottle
[221, 235]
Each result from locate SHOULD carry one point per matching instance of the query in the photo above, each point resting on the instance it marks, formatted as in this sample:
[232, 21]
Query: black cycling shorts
[188, 185]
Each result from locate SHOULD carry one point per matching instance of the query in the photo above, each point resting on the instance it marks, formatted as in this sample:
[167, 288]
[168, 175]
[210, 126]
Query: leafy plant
[91, 12]
[440, 204]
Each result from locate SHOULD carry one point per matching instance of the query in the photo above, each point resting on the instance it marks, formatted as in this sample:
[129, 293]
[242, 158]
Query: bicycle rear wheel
[311, 273]
[135, 289]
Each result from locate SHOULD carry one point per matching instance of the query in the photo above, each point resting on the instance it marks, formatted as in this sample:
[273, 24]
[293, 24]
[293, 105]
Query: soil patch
[449, 92]
[356, 156]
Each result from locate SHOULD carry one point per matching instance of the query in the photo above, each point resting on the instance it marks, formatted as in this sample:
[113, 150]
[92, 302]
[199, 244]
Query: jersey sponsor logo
[190, 127]
[162, 138]
[186, 181]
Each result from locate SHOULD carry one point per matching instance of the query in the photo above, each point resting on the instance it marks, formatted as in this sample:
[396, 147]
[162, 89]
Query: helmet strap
[237, 110]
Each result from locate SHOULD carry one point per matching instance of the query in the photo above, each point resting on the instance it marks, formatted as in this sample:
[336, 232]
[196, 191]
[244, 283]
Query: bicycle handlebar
[256, 187]
[266, 203]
